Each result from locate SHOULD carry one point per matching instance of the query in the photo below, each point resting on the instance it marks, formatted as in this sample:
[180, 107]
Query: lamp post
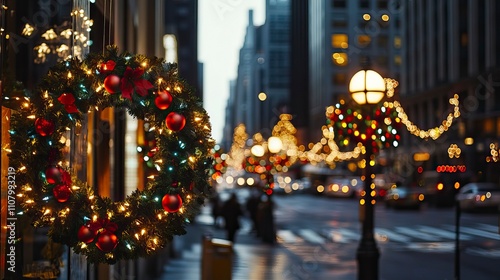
[367, 87]
[273, 146]
[265, 151]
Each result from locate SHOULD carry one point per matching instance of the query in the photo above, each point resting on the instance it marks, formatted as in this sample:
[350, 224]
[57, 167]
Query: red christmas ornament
[86, 234]
[171, 202]
[106, 241]
[44, 127]
[61, 193]
[112, 83]
[163, 100]
[52, 175]
[175, 121]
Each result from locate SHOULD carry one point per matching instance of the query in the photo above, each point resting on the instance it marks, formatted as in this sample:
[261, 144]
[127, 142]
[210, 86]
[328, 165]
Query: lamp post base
[367, 256]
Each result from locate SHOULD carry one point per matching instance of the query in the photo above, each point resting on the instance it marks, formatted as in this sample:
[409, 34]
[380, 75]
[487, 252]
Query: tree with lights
[376, 126]
[285, 131]
[106, 231]
[220, 162]
[237, 151]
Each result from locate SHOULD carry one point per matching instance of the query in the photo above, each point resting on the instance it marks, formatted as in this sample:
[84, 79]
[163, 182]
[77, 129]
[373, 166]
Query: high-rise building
[276, 63]
[342, 34]
[244, 91]
[181, 20]
[261, 89]
[299, 68]
[450, 47]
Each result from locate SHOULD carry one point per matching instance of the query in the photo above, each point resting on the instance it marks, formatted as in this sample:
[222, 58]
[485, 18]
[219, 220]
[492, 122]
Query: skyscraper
[450, 47]
[342, 34]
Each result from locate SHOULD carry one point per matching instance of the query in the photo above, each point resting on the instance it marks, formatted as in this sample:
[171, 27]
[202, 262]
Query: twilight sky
[221, 30]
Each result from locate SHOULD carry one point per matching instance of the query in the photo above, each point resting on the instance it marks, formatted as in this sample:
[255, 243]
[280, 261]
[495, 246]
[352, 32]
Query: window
[363, 25]
[339, 24]
[382, 4]
[464, 39]
[339, 79]
[397, 42]
[339, 41]
[381, 61]
[364, 40]
[339, 59]
[339, 3]
[397, 59]
[382, 41]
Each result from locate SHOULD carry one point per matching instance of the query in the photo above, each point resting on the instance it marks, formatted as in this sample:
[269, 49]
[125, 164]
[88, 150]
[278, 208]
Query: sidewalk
[252, 260]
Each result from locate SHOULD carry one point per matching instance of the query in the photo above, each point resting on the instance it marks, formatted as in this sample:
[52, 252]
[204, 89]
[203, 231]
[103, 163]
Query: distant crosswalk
[400, 234]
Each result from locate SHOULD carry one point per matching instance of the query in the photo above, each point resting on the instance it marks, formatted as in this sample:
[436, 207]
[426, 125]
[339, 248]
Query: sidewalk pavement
[252, 259]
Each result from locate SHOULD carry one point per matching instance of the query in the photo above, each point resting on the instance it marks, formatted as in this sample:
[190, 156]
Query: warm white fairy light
[316, 154]
[434, 132]
[494, 152]
[454, 151]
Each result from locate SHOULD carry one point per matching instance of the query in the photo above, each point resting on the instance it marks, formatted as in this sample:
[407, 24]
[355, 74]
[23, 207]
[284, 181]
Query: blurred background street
[317, 238]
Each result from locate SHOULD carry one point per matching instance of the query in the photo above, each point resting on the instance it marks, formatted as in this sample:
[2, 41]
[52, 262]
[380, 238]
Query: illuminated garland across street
[434, 132]
[327, 150]
[102, 230]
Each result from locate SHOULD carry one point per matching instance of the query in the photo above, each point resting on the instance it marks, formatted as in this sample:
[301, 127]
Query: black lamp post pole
[367, 254]
[457, 240]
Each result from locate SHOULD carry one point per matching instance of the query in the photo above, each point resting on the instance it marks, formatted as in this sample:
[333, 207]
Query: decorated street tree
[237, 151]
[103, 230]
[285, 131]
[220, 162]
[376, 126]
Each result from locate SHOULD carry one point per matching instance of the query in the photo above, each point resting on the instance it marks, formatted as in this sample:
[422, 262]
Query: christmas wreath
[97, 227]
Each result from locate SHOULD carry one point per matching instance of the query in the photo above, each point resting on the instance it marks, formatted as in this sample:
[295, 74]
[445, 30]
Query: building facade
[104, 153]
[260, 92]
[450, 47]
[342, 34]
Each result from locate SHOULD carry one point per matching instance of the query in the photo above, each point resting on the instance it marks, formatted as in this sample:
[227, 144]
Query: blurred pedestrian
[252, 206]
[266, 220]
[231, 211]
[215, 203]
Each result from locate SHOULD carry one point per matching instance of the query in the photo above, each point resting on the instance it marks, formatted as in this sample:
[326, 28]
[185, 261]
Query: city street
[414, 244]
[318, 237]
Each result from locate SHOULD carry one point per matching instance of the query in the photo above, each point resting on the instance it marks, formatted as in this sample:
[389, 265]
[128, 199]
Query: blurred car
[404, 197]
[342, 187]
[286, 184]
[441, 188]
[475, 196]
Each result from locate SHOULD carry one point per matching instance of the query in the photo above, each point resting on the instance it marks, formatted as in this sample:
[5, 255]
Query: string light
[434, 132]
[494, 153]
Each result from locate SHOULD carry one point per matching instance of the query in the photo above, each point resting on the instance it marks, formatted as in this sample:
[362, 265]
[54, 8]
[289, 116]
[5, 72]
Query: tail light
[382, 192]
